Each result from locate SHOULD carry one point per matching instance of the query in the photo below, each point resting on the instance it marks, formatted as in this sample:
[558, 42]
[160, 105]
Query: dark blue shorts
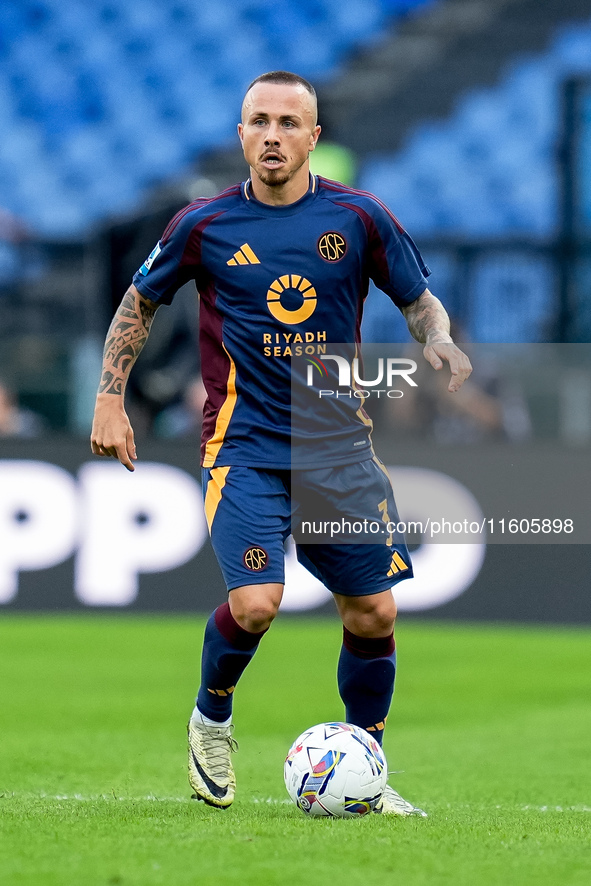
[252, 511]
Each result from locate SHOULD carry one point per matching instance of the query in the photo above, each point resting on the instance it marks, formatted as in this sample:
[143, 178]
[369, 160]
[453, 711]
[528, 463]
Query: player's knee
[375, 624]
[393, 612]
[371, 616]
[254, 610]
[258, 618]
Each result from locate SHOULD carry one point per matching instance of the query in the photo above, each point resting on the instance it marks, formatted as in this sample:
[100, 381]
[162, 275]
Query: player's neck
[281, 195]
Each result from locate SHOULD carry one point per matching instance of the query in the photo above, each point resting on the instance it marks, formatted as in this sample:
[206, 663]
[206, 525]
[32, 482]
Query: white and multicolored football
[335, 769]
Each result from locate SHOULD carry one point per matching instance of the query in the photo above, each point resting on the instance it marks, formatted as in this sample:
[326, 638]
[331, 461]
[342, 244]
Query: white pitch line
[271, 801]
[149, 798]
[557, 808]
[266, 801]
[91, 799]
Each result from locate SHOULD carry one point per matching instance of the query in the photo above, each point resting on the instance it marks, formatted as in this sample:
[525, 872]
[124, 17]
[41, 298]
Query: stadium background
[472, 120]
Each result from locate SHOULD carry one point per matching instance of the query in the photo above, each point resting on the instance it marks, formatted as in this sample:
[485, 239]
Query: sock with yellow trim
[227, 650]
[366, 673]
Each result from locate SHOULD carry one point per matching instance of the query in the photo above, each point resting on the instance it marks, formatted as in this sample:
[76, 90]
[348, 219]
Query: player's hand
[437, 352]
[112, 434]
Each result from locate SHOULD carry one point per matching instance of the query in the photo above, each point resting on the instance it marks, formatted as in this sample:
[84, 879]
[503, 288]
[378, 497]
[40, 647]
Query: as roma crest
[332, 246]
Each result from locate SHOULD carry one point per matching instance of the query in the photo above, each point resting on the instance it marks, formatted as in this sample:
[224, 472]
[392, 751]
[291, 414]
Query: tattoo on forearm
[109, 384]
[427, 316]
[126, 337]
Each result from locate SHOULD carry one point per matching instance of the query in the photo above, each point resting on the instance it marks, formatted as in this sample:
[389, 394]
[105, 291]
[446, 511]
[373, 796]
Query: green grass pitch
[490, 731]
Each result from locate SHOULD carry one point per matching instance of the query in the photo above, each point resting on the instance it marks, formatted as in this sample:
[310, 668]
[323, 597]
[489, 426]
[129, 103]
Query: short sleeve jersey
[277, 282]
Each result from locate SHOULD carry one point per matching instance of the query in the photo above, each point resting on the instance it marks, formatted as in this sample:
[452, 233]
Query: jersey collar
[288, 209]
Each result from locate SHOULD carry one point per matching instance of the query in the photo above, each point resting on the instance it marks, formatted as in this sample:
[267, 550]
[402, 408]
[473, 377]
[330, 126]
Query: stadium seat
[73, 69]
[515, 299]
[447, 169]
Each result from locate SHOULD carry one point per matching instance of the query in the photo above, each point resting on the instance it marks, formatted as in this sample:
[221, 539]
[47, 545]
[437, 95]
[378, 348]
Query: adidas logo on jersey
[397, 565]
[244, 256]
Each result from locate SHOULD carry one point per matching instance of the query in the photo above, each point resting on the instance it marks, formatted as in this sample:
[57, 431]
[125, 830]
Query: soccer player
[281, 262]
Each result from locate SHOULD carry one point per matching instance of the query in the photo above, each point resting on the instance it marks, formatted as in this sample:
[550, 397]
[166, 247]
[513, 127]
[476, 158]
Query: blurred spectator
[13, 236]
[490, 406]
[334, 161]
[12, 229]
[183, 419]
[15, 421]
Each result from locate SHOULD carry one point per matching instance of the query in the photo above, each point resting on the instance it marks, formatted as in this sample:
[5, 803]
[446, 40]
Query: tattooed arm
[428, 323]
[112, 434]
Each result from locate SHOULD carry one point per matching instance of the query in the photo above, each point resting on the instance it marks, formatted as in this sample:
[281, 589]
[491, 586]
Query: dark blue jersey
[277, 282]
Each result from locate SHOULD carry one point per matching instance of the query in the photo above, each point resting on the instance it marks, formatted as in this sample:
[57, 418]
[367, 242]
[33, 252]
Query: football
[335, 769]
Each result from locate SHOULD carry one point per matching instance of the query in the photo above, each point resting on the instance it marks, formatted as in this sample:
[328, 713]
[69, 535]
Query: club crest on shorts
[332, 246]
[255, 558]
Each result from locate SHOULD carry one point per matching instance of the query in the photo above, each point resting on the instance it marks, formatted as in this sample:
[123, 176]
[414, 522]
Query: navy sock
[366, 672]
[227, 649]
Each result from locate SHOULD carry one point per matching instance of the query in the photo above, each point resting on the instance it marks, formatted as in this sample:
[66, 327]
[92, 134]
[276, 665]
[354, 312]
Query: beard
[273, 178]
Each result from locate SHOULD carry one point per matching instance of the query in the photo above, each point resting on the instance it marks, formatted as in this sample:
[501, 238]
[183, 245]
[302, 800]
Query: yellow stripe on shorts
[213, 494]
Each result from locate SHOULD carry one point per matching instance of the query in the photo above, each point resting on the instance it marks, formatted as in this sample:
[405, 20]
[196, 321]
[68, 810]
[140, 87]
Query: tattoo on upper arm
[147, 313]
[127, 307]
[126, 337]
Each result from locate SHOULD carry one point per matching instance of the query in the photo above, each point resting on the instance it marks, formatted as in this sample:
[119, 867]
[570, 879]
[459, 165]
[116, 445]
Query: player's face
[278, 131]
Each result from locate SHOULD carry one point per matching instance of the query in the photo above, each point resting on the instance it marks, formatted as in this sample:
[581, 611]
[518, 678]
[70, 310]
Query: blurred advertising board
[81, 533]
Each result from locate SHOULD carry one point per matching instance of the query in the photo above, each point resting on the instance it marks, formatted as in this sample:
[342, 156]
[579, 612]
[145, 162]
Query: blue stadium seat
[459, 178]
[167, 79]
[515, 299]
[448, 169]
